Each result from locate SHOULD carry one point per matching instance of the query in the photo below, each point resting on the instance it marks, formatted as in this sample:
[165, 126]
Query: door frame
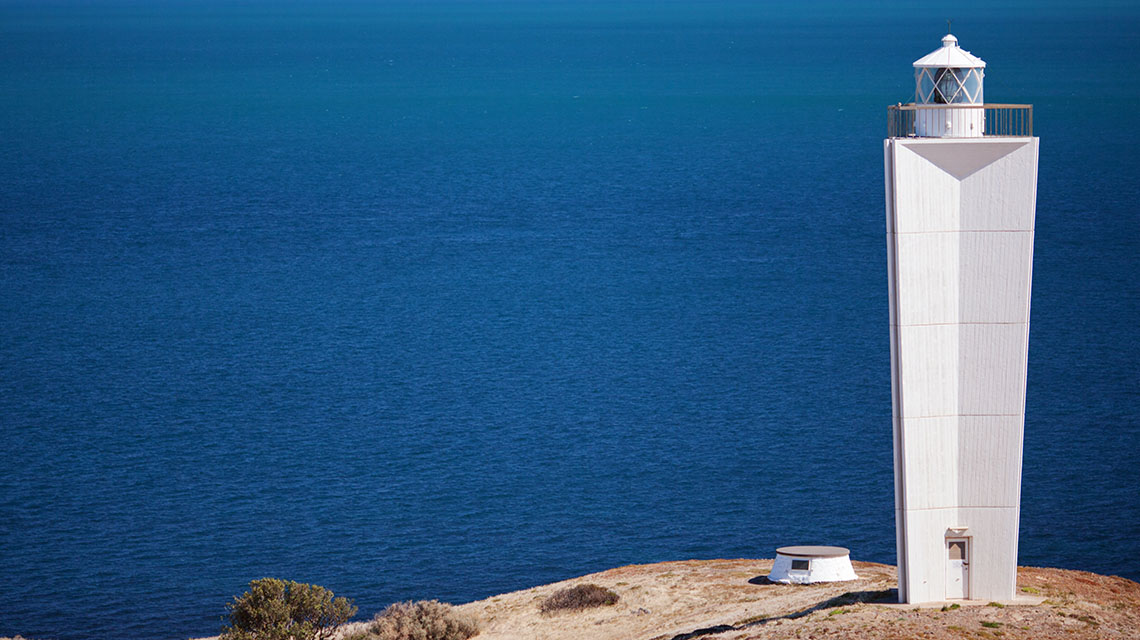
[969, 542]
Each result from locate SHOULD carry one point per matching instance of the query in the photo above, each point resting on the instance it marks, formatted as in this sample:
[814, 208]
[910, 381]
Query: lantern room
[948, 92]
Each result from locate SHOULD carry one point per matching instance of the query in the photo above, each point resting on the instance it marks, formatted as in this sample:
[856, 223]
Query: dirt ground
[732, 600]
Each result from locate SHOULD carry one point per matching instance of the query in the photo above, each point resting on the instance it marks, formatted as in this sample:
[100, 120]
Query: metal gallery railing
[1000, 119]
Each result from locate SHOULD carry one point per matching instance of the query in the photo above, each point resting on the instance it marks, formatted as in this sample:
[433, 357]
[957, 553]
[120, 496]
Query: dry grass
[423, 620]
[576, 598]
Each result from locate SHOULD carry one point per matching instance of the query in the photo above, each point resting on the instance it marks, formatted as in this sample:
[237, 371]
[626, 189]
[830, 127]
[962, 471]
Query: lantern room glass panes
[925, 86]
[948, 86]
[972, 85]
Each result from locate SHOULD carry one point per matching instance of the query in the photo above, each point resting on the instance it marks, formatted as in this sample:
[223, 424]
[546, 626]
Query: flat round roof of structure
[814, 552]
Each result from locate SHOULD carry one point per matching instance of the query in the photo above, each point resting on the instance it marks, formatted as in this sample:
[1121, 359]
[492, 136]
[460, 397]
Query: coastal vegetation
[275, 609]
[423, 620]
[578, 597]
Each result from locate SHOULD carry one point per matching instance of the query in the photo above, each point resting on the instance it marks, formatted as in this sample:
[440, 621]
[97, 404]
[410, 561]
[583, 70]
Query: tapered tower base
[960, 218]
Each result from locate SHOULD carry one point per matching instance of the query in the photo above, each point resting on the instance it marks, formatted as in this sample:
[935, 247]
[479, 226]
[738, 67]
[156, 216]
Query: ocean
[448, 299]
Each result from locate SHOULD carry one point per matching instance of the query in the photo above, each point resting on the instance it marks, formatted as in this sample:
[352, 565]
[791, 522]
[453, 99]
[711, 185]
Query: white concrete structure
[952, 76]
[805, 565]
[960, 216]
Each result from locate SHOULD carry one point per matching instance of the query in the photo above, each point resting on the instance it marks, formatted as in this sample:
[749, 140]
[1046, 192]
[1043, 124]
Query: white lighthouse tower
[961, 183]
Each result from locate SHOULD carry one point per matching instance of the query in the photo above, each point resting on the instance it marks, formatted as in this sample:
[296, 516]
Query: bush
[423, 620]
[583, 596]
[275, 609]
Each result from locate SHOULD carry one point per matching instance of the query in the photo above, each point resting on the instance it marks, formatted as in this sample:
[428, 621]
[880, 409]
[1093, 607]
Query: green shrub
[583, 596]
[275, 609]
[423, 620]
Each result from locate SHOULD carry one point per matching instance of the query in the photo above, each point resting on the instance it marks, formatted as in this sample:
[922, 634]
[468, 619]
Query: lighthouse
[961, 184]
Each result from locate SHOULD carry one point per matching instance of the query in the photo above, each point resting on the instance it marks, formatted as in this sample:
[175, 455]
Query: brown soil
[731, 600]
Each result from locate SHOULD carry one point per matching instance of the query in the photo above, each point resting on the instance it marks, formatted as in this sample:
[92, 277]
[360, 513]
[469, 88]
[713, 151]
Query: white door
[957, 569]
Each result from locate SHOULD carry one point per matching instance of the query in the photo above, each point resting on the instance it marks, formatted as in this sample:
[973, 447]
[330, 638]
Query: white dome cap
[950, 56]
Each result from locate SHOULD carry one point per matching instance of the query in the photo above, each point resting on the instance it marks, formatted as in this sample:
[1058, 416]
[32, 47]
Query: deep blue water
[443, 300]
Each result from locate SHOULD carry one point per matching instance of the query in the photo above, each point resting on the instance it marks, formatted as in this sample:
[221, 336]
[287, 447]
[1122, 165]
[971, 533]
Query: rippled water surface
[442, 300]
